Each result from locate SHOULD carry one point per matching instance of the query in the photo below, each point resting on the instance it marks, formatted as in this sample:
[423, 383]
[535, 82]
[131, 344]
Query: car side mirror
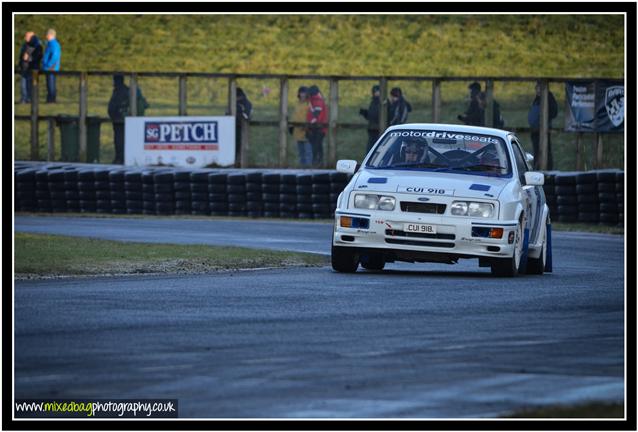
[534, 178]
[347, 166]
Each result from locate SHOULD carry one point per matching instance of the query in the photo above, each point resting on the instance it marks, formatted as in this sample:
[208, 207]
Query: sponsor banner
[595, 106]
[180, 141]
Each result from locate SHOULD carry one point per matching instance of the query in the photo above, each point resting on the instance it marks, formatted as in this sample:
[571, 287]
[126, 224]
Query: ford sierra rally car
[440, 193]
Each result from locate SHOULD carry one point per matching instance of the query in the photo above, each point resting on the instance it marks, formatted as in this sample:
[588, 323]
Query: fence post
[232, 111]
[133, 95]
[50, 139]
[544, 126]
[383, 106]
[333, 113]
[182, 95]
[579, 162]
[35, 106]
[283, 122]
[599, 150]
[245, 142]
[82, 120]
[436, 101]
[489, 103]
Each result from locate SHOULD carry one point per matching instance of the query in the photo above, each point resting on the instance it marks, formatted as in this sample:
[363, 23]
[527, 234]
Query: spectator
[398, 108]
[51, 63]
[317, 114]
[299, 132]
[244, 111]
[474, 115]
[118, 109]
[497, 118]
[30, 58]
[372, 115]
[534, 120]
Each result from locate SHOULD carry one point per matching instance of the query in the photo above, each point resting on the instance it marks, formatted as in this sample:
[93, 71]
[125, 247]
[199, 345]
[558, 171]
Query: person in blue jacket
[51, 63]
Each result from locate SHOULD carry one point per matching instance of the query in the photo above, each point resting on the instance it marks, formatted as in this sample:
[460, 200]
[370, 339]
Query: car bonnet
[430, 183]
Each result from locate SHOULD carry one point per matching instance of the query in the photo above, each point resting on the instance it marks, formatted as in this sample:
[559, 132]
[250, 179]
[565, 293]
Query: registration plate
[419, 228]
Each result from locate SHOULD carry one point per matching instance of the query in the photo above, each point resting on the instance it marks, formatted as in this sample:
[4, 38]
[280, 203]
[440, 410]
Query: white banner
[179, 141]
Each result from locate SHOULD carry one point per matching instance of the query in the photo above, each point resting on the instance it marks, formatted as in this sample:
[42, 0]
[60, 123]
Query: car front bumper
[455, 236]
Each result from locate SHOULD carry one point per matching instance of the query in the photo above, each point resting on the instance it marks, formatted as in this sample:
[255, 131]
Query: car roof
[452, 128]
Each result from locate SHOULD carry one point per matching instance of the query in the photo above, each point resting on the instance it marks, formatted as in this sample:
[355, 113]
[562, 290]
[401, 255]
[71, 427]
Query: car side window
[520, 160]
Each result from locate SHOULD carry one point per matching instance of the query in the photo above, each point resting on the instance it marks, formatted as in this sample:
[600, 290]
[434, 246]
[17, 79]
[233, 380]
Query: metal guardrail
[283, 124]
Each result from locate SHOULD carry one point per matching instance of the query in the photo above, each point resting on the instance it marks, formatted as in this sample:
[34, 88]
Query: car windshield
[428, 150]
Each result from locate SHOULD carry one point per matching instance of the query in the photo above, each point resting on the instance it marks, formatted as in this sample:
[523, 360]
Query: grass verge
[39, 255]
[591, 228]
[588, 410]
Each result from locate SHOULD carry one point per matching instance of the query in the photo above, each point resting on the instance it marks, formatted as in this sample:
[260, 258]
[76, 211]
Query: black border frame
[492, 424]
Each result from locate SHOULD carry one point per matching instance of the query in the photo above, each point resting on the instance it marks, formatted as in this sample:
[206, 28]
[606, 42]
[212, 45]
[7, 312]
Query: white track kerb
[440, 193]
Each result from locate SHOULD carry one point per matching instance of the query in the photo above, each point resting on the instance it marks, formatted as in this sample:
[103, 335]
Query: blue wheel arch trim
[523, 263]
[548, 260]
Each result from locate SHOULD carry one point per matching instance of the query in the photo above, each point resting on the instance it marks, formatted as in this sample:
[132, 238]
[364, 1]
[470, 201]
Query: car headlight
[473, 209]
[374, 202]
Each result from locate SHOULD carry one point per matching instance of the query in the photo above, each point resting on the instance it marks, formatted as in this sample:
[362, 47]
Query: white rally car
[439, 193]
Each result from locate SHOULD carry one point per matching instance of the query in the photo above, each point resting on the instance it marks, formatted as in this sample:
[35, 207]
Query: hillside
[519, 45]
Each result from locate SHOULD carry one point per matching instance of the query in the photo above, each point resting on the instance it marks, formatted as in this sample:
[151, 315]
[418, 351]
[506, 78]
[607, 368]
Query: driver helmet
[413, 150]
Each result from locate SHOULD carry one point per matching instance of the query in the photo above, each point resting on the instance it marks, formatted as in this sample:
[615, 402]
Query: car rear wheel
[373, 262]
[537, 265]
[510, 267]
[344, 259]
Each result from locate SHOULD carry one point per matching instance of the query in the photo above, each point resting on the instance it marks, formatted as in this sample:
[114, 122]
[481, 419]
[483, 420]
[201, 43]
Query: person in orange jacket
[317, 115]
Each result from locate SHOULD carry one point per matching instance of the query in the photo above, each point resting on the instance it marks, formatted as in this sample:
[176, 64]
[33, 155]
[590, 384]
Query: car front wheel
[344, 259]
[510, 267]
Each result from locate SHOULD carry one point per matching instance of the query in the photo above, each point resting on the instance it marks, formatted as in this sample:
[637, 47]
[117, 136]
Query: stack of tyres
[148, 192]
[607, 197]
[42, 194]
[163, 186]
[288, 196]
[620, 196]
[182, 191]
[133, 192]
[199, 192]
[338, 182]
[304, 196]
[71, 190]
[25, 199]
[86, 190]
[118, 191]
[55, 180]
[102, 190]
[550, 194]
[254, 203]
[566, 197]
[321, 203]
[270, 190]
[587, 193]
[218, 193]
[236, 189]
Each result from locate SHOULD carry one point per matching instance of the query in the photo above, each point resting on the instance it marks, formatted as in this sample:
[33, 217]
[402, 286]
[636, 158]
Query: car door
[532, 194]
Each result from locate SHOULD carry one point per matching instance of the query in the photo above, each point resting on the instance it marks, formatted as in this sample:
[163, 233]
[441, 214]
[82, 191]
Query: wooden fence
[332, 101]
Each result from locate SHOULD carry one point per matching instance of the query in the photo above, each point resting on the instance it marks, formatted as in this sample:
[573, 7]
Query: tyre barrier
[86, 188]
[595, 197]
[587, 197]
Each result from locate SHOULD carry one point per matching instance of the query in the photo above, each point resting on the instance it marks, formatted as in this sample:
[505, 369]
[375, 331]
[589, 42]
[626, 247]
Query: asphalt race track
[413, 341]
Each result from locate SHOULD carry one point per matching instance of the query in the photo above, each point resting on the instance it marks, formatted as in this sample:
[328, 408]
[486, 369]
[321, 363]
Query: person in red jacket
[317, 114]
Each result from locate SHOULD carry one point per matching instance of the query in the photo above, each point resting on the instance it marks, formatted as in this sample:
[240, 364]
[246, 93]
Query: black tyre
[344, 260]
